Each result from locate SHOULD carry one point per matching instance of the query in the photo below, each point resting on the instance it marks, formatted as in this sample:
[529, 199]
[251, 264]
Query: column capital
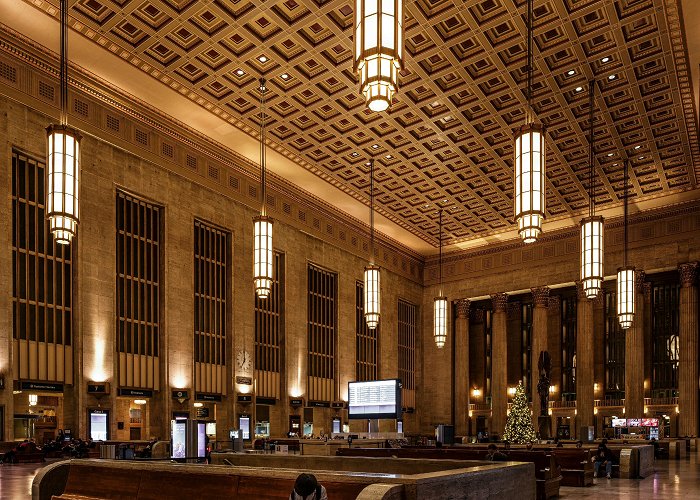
[540, 296]
[463, 308]
[639, 278]
[554, 303]
[499, 301]
[687, 272]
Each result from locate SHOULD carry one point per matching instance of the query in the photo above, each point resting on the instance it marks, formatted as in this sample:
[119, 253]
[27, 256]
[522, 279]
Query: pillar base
[544, 427]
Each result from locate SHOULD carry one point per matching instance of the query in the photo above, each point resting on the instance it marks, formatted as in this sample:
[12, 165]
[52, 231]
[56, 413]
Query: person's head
[579, 443]
[560, 444]
[492, 447]
[506, 444]
[305, 485]
[653, 439]
[604, 441]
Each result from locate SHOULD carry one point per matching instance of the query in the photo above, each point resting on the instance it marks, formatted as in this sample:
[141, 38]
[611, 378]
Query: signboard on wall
[40, 386]
[135, 393]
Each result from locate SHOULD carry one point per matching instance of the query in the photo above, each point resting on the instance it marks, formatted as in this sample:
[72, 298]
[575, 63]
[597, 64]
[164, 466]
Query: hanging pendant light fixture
[591, 226]
[63, 160]
[625, 276]
[440, 305]
[262, 224]
[378, 49]
[373, 291]
[529, 197]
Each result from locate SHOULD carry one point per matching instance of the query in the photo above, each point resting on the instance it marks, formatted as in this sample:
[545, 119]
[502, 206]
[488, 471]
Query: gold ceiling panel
[447, 139]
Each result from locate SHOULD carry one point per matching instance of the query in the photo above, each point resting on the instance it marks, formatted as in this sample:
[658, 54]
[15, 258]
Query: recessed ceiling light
[637, 147]
[284, 76]
[262, 59]
[615, 164]
[426, 206]
[610, 154]
[611, 77]
[388, 157]
[578, 89]
[571, 72]
[605, 59]
[375, 146]
[445, 200]
[354, 153]
[642, 157]
[240, 72]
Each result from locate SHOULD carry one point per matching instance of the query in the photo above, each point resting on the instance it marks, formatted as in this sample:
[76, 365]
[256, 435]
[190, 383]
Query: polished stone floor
[673, 479]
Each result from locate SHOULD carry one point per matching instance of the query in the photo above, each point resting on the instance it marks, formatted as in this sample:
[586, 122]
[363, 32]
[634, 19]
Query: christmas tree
[519, 427]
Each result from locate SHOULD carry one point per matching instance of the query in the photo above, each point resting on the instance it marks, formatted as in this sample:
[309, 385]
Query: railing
[609, 403]
[661, 401]
[479, 407]
[562, 404]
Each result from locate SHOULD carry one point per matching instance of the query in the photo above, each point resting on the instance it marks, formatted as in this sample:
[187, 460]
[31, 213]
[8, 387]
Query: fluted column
[461, 372]
[499, 364]
[634, 354]
[688, 352]
[540, 300]
[584, 360]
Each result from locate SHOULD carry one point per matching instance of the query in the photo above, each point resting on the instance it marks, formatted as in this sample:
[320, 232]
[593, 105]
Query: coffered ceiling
[447, 139]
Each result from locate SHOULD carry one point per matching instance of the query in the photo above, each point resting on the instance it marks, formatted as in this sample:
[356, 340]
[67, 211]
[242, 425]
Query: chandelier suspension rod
[626, 176]
[530, 111]
[371, 211]
[591, 152]
[440, 247]
[63, 71]
[263, 169]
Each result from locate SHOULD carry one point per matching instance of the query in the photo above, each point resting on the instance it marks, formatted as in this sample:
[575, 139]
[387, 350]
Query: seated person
[306, 487]
[579, 444]
[494, 455]
[603, 456]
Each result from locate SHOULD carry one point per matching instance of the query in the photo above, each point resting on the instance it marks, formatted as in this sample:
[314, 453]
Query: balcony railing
[479, 407]
[609, 403]
[562, 404]
[660, 401]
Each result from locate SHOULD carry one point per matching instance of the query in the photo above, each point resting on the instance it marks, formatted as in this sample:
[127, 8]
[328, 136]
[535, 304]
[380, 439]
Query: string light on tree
[519, 428]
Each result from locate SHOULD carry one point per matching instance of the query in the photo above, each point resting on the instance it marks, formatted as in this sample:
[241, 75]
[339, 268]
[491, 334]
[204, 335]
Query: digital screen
[211, 428]
[98, 426]
[336, 426]
[201, 440]
[374, 399]
[179, 438]
[650, 422]
[619, 422]
[244, 424]
[634, 422]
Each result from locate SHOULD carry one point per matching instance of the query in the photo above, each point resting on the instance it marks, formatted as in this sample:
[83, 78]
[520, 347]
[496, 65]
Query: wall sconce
[677, 410]
[575, 412]
[552, 389]
[646, 409]
[511, 391]
[198, 404]
[471, 414]
[140, 401]
[595, 387]
[549, 412]
[33, 399]
[595, 411]
[476, 393]
[623, 411]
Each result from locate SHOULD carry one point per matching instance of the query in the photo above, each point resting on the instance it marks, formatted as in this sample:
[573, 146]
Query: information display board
[179, 438]
[374, 399]
[619, 422]
[634, 422]
[650, 422]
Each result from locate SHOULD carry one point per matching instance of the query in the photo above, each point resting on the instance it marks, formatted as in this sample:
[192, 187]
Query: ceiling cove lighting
[63, 160]
[440, 306]
[378, 49]
[262, 224]
[529, 161]
[373, 293]
[625, 276]
[591, 226]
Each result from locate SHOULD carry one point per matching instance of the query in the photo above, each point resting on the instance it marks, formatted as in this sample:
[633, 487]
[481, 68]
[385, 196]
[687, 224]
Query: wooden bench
[576, 466]
[547, 471]
[101, 481]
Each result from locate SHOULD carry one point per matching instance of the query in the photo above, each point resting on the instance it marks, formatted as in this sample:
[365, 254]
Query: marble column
[688, 352]
[461, 372]
[634, 354]
[499, 364]
[584, 360]
[540, 299]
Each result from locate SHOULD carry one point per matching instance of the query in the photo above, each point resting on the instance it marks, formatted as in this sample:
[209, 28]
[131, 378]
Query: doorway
[295, 425]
